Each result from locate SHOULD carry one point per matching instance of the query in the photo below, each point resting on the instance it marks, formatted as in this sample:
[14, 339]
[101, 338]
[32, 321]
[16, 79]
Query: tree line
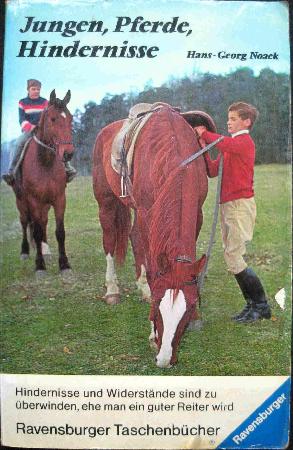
[269, 92]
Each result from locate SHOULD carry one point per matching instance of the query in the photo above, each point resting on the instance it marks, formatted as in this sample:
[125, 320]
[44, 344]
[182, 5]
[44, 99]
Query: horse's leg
[107, 215]
[24, 254]
[59, 208]
[152, 337]
[24, 220]
[199, 222]
[38, 214]
[112, 296]
[196, 323]
[26, 223]
[45, 247]
[140, 262]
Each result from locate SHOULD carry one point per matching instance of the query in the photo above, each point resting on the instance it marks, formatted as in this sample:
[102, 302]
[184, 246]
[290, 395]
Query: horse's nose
[163, 363]
[67, 156]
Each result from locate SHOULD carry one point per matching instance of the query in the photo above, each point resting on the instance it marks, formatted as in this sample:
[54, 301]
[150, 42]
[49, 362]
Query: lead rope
[214, 226]
[216, 209]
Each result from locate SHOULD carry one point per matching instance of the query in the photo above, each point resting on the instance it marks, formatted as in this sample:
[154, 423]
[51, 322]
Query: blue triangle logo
[267, 427]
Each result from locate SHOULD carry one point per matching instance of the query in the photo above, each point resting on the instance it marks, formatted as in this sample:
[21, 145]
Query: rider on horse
[30, 109]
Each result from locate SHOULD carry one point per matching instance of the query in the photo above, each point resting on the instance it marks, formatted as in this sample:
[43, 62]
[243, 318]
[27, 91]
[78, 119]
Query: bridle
[52, 148]
[48, 147]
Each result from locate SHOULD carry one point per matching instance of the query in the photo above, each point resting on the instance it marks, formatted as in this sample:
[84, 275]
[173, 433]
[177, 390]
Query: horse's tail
[123, 227]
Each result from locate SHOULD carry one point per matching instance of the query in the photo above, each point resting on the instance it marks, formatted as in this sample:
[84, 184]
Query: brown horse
[41, 180]
[167, 201]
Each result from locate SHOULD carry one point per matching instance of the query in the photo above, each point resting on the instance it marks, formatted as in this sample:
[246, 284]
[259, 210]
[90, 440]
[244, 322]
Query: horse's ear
[67, 97]
[52, 97]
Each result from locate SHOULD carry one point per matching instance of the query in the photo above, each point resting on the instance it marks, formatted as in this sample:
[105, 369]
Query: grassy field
[62, 326]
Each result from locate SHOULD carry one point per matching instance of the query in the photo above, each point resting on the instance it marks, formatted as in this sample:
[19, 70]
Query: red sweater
[238, 165]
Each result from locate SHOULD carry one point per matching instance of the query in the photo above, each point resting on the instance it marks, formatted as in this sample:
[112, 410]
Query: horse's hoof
[66, 271]
[41, 274]
[66, 274]
[112, 299]
[153, 345]
[195, 325]
[24, 256]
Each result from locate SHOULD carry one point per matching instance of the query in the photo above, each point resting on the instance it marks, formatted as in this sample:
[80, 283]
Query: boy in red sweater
[238, 209]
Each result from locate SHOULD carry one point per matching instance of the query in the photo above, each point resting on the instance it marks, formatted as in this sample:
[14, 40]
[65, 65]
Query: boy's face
[235, 123]
[34, 92]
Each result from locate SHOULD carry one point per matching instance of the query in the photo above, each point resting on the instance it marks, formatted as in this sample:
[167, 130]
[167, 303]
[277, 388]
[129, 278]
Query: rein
[214, 225]
[49, 147]
[52, 149]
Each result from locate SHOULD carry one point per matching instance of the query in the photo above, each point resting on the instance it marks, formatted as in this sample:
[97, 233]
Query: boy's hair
[245, 111]
[33, 82]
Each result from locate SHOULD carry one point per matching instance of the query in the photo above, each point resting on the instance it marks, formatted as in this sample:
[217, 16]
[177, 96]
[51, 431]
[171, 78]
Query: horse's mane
[167, 176]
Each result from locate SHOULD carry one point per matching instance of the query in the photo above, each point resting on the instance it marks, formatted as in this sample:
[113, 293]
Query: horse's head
[56, 126]
[174, 301]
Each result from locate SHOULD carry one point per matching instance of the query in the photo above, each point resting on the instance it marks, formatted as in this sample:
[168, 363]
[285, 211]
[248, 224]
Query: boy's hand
[202, 142]
[200, 129]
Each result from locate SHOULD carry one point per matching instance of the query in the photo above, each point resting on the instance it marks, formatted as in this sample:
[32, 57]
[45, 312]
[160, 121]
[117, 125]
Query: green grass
[61, 326]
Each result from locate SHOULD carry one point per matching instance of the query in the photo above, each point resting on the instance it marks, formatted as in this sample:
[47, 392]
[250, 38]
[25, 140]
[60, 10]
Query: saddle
[123, 145]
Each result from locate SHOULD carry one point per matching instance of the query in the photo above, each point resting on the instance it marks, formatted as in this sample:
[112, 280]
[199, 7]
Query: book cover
[78, 370]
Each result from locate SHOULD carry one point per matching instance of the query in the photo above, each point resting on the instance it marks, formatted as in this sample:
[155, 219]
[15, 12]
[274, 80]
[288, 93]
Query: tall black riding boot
[240, 280]
[259, 308]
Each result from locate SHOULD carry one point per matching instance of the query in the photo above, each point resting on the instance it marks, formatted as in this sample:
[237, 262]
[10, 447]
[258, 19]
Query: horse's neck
[45, 156]
[177, 190]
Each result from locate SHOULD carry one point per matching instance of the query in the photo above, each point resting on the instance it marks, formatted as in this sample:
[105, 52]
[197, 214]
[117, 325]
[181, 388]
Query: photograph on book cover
[145, 224]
